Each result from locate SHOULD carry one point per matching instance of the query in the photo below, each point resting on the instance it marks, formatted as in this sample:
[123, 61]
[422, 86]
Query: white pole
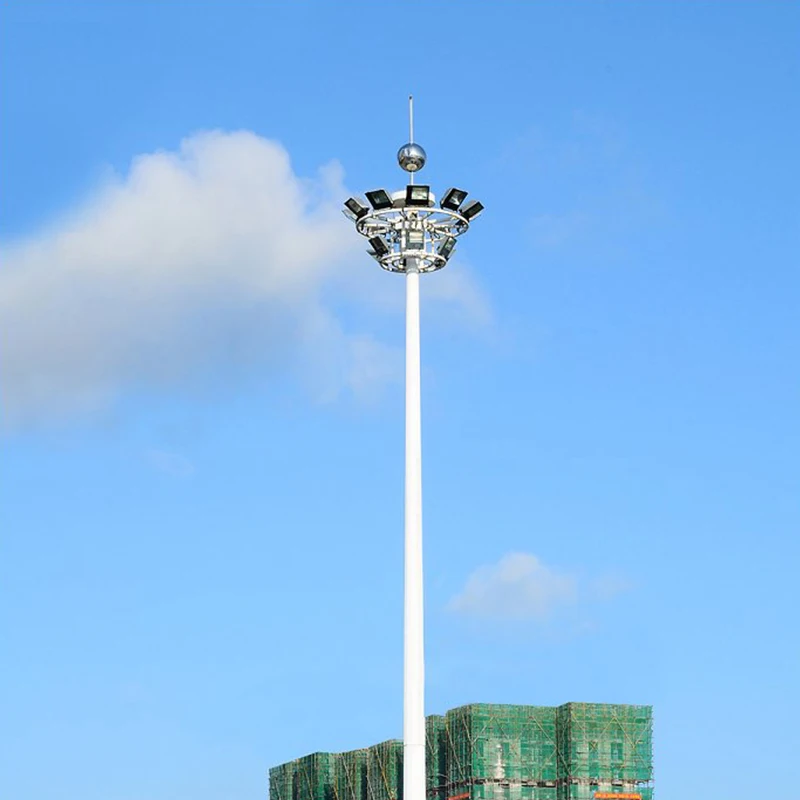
[414, 658]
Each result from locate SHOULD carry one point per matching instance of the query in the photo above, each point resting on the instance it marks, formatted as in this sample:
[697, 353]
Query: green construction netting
[577, 751]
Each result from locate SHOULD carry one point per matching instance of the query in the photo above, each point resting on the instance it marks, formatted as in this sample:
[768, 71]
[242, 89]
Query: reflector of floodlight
[418, 195]
[379, 247]
[447, 246]
[356, 208]
[379, 199]
[453, 198]
[472, 209]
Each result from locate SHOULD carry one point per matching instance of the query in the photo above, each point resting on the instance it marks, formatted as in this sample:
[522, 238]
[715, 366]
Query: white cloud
[209, 261]
[517, 587]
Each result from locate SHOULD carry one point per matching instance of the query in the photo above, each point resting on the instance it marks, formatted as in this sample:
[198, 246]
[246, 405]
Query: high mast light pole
[408, 233]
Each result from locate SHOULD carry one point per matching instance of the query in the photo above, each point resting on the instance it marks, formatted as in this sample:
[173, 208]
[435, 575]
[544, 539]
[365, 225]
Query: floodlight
[471, 210]
[379, 247]
[418, 195]
[415, 240]
[356, 208]
[379, 199]
[452, 199]
[446, 247]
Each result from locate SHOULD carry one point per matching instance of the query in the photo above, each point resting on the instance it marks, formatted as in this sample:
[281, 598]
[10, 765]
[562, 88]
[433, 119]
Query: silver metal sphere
[411, 157]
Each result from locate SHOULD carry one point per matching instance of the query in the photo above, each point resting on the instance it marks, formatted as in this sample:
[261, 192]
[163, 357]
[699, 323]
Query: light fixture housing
[418, 195]
[379, 199]
[379, 246]
[453, 198]
[415, 240]
[471, 210]
[446, 247]
[355, 208]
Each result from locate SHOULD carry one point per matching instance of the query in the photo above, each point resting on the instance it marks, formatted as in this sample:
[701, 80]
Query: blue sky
[202, 395]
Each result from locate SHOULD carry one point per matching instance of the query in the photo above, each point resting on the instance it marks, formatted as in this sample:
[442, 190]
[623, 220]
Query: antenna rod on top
[411, 128]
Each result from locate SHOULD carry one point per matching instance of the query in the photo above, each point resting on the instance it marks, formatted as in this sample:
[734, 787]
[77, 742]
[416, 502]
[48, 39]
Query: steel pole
[413, 651]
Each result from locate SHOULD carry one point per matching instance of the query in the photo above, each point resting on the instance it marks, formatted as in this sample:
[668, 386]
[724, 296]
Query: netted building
[577, 751]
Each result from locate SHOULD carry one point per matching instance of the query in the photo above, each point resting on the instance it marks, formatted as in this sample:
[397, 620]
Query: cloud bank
[198, 264]
[517, 587]
[520, 587]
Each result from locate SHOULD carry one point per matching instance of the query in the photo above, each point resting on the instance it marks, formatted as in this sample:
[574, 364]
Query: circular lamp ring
[442, 221]
[425, 262]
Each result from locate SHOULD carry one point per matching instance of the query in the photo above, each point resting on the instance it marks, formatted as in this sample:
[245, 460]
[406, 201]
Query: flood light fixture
[379, 246]
[418, 195]
[415, 240]
[446, 247]
[453, 198]
[471, 210]
[379, 199]
[355, 208]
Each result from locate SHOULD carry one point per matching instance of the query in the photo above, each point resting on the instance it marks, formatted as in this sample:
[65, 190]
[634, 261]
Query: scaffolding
[281, 781]
[577, 751]
[436, 757]
[314, 777]
[385, 771]
[350, 782]
[605, 750]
